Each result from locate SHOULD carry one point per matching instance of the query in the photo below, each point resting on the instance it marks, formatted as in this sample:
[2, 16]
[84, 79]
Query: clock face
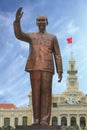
[72, 98]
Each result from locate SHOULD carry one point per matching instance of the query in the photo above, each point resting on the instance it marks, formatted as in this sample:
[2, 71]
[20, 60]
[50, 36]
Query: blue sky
[67, 18]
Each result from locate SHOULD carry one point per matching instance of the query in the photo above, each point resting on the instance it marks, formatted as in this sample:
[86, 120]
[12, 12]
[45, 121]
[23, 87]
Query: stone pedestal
[38, 127]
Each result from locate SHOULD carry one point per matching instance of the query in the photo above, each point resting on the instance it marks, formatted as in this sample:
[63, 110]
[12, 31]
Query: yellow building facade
[15, 116]
[68, 109]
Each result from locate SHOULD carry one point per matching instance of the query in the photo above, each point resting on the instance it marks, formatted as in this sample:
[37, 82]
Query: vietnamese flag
[69, 40]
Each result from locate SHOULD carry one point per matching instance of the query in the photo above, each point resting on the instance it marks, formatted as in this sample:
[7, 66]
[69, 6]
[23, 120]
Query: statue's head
[42, 20]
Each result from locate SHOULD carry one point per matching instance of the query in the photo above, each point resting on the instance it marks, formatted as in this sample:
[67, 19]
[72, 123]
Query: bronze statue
[40, 64]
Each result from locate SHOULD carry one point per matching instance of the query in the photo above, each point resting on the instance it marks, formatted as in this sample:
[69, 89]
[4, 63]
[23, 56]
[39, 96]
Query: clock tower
[72, 83]
[72, 95]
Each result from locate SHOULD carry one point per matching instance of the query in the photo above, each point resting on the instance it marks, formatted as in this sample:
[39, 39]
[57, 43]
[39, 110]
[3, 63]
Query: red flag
[69, 40]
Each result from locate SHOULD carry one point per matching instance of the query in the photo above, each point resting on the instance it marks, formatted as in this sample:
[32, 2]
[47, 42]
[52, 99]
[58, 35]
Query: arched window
[72, 66]
[16, 121]
[82, 122]
[64, 121]
[6, 121]
[73, 121]
[54, 121]
[24, 120]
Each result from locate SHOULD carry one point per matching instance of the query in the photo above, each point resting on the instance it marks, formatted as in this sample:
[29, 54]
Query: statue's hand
[19, 14]
[59, 77]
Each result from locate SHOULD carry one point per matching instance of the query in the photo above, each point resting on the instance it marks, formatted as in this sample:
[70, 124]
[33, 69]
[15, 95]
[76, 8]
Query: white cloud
[71, 28]
[6, 21]
[67, 28]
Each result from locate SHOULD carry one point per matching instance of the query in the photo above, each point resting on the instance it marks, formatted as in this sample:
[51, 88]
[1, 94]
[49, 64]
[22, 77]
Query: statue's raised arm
[17, 27]
[19, 14]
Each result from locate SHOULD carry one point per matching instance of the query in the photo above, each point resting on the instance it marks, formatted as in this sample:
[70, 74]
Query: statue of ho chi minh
[40, 65]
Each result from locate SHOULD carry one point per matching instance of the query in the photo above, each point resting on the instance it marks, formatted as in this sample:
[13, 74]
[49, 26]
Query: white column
[32, 118]
[59, 120]
[20, 119]
[78, 120]
[12, 119]
[1, 120]
[68, 120]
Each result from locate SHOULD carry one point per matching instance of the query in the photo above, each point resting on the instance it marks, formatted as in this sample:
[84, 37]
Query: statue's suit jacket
[42, 48]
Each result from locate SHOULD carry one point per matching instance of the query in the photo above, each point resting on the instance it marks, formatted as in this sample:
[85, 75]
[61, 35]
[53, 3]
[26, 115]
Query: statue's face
[41, 22]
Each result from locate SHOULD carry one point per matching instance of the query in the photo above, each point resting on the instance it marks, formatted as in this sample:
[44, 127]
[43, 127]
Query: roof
[7, 106]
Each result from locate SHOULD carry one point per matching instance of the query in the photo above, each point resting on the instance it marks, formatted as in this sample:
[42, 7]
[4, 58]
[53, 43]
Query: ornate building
[68, 109]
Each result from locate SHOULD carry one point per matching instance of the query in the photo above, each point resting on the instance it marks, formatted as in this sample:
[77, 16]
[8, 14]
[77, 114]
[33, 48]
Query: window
[16, 121]
[54, 121]
[24, 121]
[82, 122]
[73, 121]
[63, 121]
[6, 121]
[72, 66]
[54, 104]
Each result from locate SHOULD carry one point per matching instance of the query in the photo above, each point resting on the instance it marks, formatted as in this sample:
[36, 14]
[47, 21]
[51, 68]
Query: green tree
[76, 127]
[7, 128]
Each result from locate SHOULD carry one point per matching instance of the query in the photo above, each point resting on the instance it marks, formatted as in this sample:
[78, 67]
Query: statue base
[38, 127]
